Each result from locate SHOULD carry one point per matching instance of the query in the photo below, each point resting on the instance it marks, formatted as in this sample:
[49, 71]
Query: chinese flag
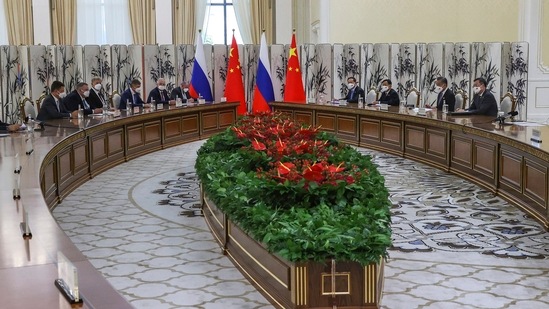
[293, 90]
[234, 88]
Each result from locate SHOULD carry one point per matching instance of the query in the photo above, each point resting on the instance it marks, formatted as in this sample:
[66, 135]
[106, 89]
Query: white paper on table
[527, 124]
[426, 109]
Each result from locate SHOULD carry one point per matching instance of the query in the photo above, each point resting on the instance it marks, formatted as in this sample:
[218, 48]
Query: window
[3, 25]
[219, 23]
[103, 22]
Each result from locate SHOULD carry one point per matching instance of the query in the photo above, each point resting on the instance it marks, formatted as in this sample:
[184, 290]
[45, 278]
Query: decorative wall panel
[151, 69]
[430, 66]
[339, 81]
[39, 64]
[168, 66]
[308, 60]
[279, 61]
[322, 76]
[220, 61]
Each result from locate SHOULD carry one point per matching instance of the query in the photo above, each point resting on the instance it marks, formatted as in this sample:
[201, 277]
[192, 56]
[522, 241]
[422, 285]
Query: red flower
[335, 169]
[285, 168]
[259, 146]
[314, 173]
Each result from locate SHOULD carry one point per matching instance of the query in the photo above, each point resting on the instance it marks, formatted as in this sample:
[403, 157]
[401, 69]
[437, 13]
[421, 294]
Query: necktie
[85, 104]
[135, 98]
[57, 105]
[183, 95]
[439, 99]
[351, 94]
[161, 95]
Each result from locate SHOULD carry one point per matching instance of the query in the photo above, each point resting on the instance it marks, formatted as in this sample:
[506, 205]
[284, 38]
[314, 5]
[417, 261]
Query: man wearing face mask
[182, 92]
[388, 94]
[484, 102]
[96, 98]
[159, 94]
[354, 91]
[52, 107]
[444, 95]
[132, 95]
[78, 99]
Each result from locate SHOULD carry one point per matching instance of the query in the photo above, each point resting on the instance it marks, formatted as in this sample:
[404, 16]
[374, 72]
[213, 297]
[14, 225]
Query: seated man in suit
[354, 91]
[445, 95]
[9, 127]
[77, 98]
[97, 97]
[132, 95]
[388, 94]
[484, 102]
[52, 108]
[159, 94]
[182, 92]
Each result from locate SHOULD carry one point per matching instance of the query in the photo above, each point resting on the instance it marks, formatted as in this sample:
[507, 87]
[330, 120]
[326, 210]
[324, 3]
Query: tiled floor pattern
[455, 245]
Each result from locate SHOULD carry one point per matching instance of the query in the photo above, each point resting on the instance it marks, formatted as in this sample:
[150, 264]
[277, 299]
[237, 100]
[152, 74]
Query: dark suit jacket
[127, 95]
[3, 126]
[448, 98]
[353, 94]
[155, 95]
[48, 110]
[94, 100]
[390, 97]
[73, 100]
[484, 104]
[179, 93]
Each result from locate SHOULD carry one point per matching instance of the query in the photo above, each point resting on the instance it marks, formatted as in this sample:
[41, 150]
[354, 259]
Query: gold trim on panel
[329, 275]
[257, 262]
[300, 285]
[213, 214]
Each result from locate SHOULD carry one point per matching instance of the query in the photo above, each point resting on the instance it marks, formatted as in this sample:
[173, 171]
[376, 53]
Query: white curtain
[101, 22]
[243, 12]
[3, 25]
[202, 12]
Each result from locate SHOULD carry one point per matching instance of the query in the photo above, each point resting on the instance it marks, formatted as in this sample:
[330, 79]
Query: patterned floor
[455, 245]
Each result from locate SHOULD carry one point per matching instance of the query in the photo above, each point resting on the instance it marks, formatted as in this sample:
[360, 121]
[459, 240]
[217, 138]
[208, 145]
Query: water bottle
[80, 112]
[30, 125]
[153, 105]
[201, 99]
[129, 106]
[360, 102]
[178, 101]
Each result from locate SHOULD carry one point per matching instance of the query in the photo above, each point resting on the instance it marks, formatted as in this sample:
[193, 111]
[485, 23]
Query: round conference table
[65, 154]
[68, 152]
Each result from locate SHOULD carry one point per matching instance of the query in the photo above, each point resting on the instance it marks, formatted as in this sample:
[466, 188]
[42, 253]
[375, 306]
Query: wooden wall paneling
[135, 136]
[190, 127]
[510, 171]
[391, 135]
[414, 138]
[370, 130]
[347, 128]
[65, 168]
[304, 117]
[326, 121]
[49, 182]
[153, 133]
[209, 122]
[461, 151]
[535, 183]
[485, 160]
[172, 128]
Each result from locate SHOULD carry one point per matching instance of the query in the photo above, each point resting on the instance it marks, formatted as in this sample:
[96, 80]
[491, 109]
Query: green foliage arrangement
[297, 190]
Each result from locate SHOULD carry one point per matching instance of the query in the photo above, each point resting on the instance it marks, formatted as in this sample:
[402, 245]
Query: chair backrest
[508, 103]
[371, 97]
[412, 98]
[26, 108]
[116, 100]
[41, 99]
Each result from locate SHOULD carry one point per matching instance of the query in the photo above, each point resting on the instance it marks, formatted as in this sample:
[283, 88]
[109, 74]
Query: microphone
[501, 119]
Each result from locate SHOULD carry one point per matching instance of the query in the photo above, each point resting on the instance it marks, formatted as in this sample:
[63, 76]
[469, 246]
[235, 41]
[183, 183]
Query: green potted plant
[305, 199]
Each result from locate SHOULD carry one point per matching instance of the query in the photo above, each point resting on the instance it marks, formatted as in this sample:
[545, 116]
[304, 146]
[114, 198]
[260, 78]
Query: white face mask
[62, 94]
[438, 89]
[86, 93]
[138, 90]
[97, 87]
[350, 86]
[162, 87]
[185, 89]
[476, 90]
[384, 88]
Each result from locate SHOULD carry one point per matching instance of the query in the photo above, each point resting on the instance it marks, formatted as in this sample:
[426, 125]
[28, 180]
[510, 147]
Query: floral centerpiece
[297, 190]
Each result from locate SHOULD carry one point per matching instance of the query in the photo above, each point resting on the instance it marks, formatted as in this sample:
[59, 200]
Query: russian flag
[200, 85]
[263, 91]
